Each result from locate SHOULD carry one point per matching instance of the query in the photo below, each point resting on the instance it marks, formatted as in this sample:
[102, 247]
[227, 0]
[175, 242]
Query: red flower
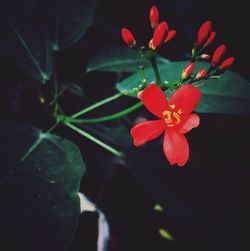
[176, 119]
[187, 71]
[218, 54]
[128, 38]
[226, 64]
[203, 33]
[160, 34]
[154, 16]
[170, 36]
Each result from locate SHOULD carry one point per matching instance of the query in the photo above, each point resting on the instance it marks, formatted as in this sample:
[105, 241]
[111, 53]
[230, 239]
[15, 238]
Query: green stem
[200, 85]
[106, 118]
[142, 75]
[156, 70]
[95, 105]
[95, 140]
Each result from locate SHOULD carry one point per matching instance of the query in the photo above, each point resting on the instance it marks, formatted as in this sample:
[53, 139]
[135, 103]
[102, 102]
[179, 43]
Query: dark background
[206, 203]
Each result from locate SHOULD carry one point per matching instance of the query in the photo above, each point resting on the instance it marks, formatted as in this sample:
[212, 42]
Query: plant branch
[106, 118]
[95, 105]
[156, 70]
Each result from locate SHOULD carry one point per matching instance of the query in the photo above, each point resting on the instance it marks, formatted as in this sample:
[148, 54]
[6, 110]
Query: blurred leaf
[158, 208]
[165, 234]
[230, 94]
[41, 192]
[68, 21]
[24, 39]
[119, 59]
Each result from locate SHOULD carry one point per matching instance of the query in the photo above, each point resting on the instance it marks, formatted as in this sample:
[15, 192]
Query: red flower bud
[187, 71]
[160, 34]
[204, 56]
[210, 39]
[128, 38]
[154, 16]
[226, 64]
[219, 52]
[201, 74]
[170, 36]
[204, 33]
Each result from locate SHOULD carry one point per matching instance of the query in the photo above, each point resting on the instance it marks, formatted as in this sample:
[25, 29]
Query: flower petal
[188, 123]
[175, 147]
[147, 130]
[186, 98]
[154, 100]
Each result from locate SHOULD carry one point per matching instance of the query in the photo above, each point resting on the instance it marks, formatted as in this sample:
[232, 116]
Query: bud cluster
[205, 37]
[161, 32]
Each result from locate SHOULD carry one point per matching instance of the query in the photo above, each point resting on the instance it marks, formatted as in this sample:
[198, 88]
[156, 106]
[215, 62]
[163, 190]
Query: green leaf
[45, 184]
[68, 21]
[119, 135]
[230, 94]
[119, 59]
[165, 234]
[33, 28]
[25, 40]
[158, 208]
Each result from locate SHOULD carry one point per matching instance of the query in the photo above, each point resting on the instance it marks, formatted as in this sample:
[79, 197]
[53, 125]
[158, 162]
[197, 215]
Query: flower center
[172, 117]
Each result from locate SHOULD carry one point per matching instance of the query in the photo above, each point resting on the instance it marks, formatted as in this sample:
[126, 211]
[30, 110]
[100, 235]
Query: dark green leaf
[68, 21]
[230, 94]
[115, 59]
[43, 188]
[118, 135]
[25, 40]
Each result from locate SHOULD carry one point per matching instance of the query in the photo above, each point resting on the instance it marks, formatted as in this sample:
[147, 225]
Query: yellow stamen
[177, 116]
[172, 118]
[168, 119]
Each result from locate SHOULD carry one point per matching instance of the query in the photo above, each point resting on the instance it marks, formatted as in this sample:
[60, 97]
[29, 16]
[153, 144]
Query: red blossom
[170, 36]
[154, 16]
[160, 34]
[210, 39]
[187, 71]
[203, 33]
[128, 38]
[226, 64]
[218, 54]
[175, 118]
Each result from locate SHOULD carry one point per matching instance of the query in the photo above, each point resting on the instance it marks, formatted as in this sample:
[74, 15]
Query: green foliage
[33, 29]
[230, 94]
[25, 40]
[117, 135]
[46, 182]
[68, 21]
[115, 59]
